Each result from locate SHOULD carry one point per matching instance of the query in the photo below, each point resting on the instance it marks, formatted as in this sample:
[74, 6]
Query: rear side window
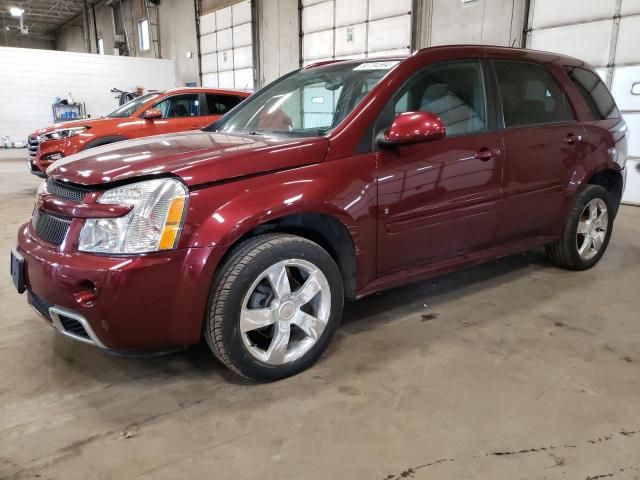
[594, 92]
[221, 104]
[530, 95]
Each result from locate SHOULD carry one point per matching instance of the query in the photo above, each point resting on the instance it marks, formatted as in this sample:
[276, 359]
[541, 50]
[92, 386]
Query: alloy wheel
[592, 228]
[285, 311]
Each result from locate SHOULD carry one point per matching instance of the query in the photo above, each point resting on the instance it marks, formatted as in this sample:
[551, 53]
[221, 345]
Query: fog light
[52, 157]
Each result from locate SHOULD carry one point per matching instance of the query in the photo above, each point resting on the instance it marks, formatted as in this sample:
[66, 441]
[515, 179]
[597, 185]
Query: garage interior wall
[31, 80]
[605, 33]
[278, 39]
[176, 32]
[43, 42]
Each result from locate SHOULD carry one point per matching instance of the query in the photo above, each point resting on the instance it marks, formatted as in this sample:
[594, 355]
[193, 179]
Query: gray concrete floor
[512, 370]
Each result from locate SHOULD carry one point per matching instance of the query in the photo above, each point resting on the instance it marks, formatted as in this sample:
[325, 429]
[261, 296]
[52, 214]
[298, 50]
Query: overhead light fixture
[16, 11]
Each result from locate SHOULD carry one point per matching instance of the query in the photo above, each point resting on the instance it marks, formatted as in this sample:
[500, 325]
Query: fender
[220, 215]
[97, 142]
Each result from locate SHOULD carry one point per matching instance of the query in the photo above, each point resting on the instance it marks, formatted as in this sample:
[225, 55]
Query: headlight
[63, 133]
[153, 224]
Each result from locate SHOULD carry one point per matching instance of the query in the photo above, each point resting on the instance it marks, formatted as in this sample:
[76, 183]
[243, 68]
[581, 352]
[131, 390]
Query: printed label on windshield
[377, 65]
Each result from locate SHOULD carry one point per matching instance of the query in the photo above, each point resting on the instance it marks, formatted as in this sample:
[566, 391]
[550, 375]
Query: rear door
[439, 199]
[217, 104]
[543, 142]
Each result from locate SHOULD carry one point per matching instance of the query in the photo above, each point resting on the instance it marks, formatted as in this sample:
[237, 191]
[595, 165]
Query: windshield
[131, 107]
[308, 103]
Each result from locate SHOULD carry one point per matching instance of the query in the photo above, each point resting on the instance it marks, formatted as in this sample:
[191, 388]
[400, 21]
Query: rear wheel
[587, 232]
[274, 307]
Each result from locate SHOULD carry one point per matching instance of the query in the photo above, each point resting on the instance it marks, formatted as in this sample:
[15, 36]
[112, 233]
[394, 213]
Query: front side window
[131, 107]
[454, 91]
[221, 104]
[309, 102]
[179, 106]
[530, 95]
[594, 92]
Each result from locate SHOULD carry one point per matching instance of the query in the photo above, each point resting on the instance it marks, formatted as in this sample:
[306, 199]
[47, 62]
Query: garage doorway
[226, 47]
[336, 29]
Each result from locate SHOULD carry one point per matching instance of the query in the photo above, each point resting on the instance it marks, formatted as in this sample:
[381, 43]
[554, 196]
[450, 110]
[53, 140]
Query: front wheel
[587, 231]
[274, 306]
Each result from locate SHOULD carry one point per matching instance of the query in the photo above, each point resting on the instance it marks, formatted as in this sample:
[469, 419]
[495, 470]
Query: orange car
[155, 113]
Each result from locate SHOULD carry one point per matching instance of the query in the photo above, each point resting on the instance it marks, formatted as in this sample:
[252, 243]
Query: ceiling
[40, 16]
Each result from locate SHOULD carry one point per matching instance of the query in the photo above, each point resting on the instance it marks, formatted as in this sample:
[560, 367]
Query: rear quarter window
[594, 92]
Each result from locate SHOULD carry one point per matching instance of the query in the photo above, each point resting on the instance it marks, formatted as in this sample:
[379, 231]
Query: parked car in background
[155, 113]
[337, 181]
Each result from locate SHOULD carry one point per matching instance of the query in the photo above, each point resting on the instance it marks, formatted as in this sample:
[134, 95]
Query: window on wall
[454, 91]
[594, 92]
[100, 46]
[143, 34]
[530, 95]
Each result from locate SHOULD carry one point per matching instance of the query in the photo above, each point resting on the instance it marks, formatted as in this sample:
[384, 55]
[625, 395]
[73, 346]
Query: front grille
[34, 143]
[50, 228]
[39, 303]
[67, 191]
[73, 326]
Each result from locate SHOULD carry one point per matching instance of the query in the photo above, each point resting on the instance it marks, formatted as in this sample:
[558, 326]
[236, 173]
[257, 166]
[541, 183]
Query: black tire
[564, 252]
[235, 276]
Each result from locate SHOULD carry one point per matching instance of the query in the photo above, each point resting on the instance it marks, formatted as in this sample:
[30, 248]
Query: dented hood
[196, 157]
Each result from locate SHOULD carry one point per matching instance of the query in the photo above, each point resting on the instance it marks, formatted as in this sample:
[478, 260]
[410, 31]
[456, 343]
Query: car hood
[86, 122]
[196, 157]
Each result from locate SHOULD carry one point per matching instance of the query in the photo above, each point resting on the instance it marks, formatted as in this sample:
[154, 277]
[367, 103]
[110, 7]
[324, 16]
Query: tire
[253, 304]
[570, 251]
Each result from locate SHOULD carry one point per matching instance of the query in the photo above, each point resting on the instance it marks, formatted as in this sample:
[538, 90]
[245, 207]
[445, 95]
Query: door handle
[572, 139]
[485, 154]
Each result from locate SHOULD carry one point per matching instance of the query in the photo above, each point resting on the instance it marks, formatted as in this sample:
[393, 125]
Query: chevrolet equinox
[336, 181]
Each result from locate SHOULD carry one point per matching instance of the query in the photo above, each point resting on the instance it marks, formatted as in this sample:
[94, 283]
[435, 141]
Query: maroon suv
[334, 182]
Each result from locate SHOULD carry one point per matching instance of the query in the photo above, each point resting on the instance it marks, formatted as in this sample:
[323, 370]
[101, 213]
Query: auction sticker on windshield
[377, 65]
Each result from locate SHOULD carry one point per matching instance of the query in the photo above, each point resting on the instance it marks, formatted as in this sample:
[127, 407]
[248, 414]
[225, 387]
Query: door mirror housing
[412, 127]
[152, 114]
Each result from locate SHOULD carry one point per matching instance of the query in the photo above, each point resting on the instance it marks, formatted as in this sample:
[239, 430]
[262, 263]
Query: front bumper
[123, 303]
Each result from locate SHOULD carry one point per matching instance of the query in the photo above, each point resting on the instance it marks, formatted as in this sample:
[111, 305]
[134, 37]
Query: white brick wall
[30, 80]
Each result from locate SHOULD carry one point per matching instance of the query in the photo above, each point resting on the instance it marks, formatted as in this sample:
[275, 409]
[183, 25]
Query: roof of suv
[472, 50]
[204, 90]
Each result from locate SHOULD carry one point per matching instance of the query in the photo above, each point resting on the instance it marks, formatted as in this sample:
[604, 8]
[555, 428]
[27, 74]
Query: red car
[337, 181]
[151, 114]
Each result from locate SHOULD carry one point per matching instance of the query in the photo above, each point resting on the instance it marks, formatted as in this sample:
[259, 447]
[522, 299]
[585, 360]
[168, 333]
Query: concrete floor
[513, 370]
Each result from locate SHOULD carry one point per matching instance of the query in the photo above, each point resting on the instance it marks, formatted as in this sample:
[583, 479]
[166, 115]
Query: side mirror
[152, 114]
[412, 127]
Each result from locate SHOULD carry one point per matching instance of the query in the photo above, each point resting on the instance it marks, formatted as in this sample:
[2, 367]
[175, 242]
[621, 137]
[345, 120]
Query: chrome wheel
[592, 228]
[285, 311]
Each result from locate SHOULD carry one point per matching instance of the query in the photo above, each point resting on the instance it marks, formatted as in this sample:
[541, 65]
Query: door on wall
[226, 46]
[335, 29]
[605, 33]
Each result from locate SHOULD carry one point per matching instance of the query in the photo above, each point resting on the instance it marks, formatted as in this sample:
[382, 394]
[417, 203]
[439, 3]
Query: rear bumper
[126, 304]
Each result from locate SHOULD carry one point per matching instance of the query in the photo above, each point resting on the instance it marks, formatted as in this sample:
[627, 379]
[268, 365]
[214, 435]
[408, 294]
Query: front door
[439, 199]
[179, 113]
[543, 142]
